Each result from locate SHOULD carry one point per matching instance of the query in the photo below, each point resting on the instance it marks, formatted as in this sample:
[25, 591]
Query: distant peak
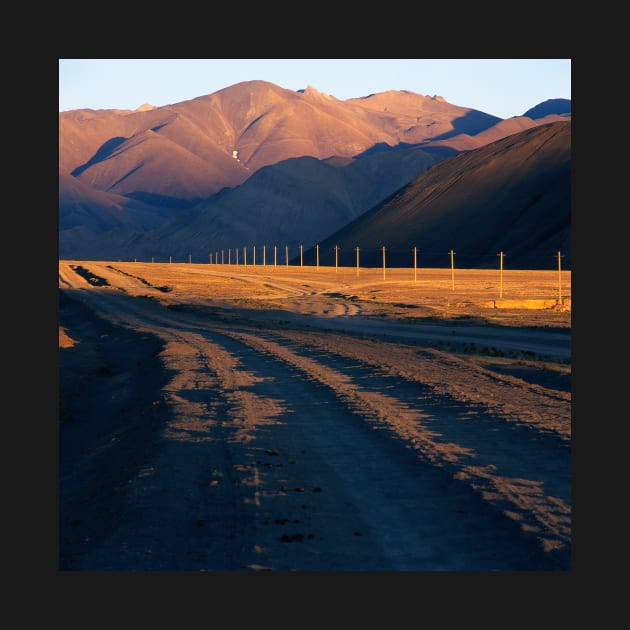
[311, 91]
[145, 107]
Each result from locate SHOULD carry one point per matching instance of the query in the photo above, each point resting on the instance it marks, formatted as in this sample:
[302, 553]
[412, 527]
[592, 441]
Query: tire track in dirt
[193, 353]
[546, 517]
[516, 449]
[362, 476]
[200, 365]
[546, 410]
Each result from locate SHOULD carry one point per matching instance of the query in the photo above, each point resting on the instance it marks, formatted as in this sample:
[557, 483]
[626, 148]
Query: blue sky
[501, 87]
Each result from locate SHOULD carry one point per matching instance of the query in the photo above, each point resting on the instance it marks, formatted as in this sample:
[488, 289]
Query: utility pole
[254, 255]
[559, 280]
[245, 256]
[500, 255]
[301, 260]
[452, 253]
[229, 256]
[415, 264]
[383, 262]
[275, 255]
[222, 256]
[317, 256]
[264, 255]
[236, 250]
[210, 257]
[152, 259]
[357, 261]
[190, 259]
[170, 260]
[336, 257]
[286, 254]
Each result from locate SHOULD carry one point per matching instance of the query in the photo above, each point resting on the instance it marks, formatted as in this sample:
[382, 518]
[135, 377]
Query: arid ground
[224, 418]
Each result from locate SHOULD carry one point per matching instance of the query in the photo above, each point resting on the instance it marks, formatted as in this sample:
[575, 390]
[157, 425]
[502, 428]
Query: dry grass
[517, 297]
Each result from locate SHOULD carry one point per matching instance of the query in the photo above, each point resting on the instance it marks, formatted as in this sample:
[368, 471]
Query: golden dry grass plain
[517, 297]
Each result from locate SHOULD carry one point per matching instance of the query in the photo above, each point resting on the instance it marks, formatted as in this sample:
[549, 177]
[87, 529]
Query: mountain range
[257, 165]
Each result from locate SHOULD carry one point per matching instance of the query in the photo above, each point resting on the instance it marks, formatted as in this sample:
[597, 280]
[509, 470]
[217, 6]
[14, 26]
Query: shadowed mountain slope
[513, 195]
[504, 128]
[96, 211]
[552, 106]
[297, 201]
[88, 212]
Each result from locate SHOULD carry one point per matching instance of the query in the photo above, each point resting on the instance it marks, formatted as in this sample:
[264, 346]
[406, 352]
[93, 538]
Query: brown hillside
[512, 195]
[262, 122]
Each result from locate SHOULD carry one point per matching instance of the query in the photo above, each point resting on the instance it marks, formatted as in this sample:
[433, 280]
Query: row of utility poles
[501, 255]
[215, 260]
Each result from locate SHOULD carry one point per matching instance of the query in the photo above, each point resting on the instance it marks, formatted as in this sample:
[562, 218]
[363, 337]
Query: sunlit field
[520, 296]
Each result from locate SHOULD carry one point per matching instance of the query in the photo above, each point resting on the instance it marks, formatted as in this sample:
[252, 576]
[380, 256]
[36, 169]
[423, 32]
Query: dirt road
[204, 436]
